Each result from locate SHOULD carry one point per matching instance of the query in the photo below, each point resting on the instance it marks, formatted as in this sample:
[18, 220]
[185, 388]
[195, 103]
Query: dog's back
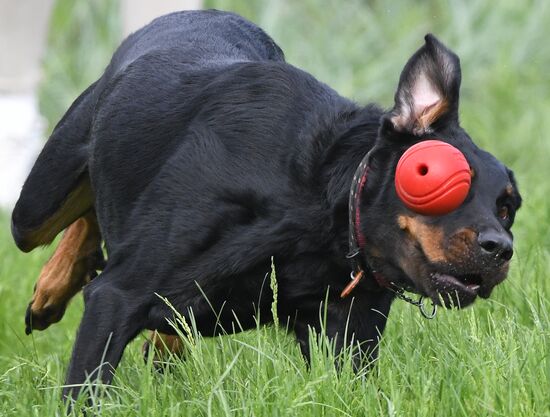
[57, 191]
[200, 39]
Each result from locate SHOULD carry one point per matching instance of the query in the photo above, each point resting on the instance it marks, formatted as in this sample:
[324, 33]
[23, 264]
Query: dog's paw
[41, 316]
[163, 348]
[148, 351]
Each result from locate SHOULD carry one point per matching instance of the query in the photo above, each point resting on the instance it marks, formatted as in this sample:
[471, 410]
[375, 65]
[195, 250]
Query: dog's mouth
[470, 283]
[448, 288]
[453, 283]
[461, 290]
[456, 291]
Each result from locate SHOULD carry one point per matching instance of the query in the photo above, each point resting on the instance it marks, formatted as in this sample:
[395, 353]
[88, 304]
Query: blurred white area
[23, 29]
[23, 33]
[21, 128]
[137, 13]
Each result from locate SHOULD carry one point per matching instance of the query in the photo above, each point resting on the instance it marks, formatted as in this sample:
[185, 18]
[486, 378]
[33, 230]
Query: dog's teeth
[473, 287]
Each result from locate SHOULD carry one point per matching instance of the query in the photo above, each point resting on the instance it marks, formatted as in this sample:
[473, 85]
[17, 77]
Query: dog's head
[453, 257]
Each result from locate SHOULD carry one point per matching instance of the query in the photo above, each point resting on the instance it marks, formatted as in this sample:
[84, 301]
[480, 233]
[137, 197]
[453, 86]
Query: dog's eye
[504, 212]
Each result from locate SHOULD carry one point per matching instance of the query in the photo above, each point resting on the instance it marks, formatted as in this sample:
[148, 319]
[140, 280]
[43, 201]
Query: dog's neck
[356, 137]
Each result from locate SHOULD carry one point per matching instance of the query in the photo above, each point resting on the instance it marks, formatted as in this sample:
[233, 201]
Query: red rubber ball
[432, 178]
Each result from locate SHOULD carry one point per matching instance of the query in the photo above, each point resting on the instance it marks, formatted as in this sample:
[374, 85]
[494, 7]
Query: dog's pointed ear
[428, 89]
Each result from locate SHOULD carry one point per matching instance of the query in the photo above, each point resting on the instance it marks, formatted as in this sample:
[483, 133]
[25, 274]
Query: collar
[356, 239]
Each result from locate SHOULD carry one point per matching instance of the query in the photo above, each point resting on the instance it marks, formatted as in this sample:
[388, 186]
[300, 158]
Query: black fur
[208, 154]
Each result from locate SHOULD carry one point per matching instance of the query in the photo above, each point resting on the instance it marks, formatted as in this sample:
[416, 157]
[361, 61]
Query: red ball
[432, 178]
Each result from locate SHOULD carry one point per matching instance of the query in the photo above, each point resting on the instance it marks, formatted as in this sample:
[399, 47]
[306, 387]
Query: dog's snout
[496, 244]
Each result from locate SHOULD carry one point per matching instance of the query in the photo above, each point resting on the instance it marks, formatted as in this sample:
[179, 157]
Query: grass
[488, 360]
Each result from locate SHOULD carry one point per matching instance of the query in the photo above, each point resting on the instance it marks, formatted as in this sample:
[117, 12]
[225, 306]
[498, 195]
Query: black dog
[203, 154]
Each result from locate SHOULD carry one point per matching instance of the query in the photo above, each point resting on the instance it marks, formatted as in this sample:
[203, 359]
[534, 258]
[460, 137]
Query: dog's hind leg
[78, 202]
[57, 190]
[72, 265]
[56, 194]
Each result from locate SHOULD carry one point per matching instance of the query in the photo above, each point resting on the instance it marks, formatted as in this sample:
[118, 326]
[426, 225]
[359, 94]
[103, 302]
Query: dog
[200, 156]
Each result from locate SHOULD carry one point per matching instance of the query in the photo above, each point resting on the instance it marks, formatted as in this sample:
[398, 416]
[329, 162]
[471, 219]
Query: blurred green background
[491, 359]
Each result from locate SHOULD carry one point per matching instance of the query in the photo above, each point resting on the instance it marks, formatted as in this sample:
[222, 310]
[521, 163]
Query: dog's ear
[428, 90]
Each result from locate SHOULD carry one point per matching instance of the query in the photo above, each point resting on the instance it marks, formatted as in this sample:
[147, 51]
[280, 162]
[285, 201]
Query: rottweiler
[200, 156]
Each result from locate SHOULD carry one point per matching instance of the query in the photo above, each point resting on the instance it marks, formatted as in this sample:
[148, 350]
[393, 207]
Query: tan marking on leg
[164, 346]
[430, 238]
[167, 343]
[77, 203]
[66, 272]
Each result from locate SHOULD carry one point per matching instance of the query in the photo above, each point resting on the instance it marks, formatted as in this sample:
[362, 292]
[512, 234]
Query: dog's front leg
[113, 316]
[357, 321]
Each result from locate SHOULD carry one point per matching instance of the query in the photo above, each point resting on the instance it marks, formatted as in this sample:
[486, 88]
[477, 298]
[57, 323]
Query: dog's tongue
[451, 280]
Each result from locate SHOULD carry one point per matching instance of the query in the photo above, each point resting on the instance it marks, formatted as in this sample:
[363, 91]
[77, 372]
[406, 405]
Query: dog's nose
[496, 244]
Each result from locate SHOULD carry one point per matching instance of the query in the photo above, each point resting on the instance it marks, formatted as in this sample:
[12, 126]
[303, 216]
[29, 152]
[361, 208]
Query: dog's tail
[57, 191]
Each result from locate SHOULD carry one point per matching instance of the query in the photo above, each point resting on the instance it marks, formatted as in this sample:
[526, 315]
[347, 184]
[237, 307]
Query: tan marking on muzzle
[430, 238]
[461, 245]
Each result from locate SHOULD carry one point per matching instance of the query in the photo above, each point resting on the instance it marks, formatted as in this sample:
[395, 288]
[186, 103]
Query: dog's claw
[28, 325]
[41, 319]
[145, 350]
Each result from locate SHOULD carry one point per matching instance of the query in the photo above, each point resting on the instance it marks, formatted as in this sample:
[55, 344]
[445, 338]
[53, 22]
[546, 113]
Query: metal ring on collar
[425, 313]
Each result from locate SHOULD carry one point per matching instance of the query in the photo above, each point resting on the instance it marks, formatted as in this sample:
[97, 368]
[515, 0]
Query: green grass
[488, 360]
